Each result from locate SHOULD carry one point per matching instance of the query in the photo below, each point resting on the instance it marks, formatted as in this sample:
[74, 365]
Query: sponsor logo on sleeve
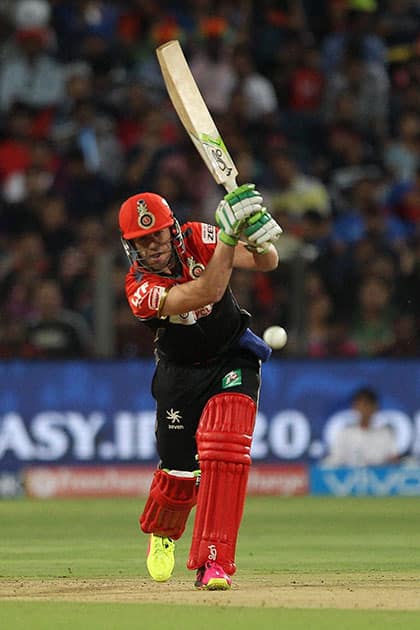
[208, 233]
[154, 297]
[139, 294]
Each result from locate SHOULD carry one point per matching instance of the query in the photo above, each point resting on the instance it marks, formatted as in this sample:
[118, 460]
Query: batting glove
[234, 209]
[261, 231]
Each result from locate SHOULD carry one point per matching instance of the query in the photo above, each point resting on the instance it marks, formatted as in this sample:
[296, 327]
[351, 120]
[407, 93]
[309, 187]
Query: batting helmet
[144, 214]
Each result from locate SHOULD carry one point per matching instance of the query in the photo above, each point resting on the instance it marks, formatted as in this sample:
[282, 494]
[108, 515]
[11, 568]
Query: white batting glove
[234, 209]
[261, 231]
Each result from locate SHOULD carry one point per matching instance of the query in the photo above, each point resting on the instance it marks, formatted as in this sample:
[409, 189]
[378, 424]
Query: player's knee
[225, 429]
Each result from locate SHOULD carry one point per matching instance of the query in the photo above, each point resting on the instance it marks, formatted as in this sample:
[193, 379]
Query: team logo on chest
[195, 268]
[146, 219]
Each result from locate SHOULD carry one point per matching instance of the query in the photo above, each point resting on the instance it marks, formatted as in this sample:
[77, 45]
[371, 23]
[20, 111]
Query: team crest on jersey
[208, 233]
[146, 219]
[195, 268]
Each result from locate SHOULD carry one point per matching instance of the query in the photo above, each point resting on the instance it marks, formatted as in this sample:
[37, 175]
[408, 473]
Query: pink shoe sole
[215, 584]
[211, 577]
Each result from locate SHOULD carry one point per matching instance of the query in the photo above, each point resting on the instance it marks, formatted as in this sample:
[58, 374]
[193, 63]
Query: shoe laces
[161, 544]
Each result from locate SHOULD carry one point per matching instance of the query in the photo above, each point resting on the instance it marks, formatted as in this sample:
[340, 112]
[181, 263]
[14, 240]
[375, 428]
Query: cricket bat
[194, 115]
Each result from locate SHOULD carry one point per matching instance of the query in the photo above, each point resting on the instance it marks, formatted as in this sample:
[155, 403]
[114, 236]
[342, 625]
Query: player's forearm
[267, 261]
[246, 259]
[207, 289]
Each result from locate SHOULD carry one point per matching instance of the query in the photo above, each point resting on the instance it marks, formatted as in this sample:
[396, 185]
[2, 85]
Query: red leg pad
[170, 501]
[224, 439]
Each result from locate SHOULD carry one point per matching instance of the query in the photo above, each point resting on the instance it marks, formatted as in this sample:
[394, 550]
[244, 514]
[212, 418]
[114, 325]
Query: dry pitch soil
[381, 592]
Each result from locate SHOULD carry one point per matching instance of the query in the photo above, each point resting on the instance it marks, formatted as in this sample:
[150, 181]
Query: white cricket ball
[275, 336]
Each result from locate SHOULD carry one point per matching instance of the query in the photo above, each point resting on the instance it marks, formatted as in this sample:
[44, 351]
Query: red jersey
[196, 336]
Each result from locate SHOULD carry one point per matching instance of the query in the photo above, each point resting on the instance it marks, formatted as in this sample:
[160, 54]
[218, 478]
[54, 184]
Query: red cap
[144, 214]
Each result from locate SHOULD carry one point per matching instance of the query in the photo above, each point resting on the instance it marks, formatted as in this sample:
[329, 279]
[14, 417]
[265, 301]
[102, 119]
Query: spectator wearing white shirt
[212, 68]
[257, 91]
[363, 443]
[30, 75]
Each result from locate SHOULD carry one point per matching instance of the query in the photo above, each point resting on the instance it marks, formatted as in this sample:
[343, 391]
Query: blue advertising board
[379, 481]
[102, 412]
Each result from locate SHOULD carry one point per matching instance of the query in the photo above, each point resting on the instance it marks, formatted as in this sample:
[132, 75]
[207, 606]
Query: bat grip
[230, 184]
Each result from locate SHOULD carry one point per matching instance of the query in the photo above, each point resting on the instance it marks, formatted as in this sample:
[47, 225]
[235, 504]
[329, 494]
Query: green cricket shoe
[160, 557]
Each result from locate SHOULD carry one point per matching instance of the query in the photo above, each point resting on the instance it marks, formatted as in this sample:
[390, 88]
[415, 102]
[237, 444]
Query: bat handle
[230, 184]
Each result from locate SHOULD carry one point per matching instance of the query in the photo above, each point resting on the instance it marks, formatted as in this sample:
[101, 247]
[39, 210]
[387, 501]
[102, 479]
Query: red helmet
[144, 214]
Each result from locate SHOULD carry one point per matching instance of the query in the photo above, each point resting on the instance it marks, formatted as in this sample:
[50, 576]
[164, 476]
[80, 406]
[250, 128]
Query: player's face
[155, 250]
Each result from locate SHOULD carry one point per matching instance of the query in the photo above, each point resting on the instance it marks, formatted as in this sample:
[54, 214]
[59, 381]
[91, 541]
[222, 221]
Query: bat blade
[194, 114]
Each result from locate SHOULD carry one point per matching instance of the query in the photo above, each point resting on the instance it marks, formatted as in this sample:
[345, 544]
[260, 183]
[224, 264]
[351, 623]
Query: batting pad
[224, 439]
[170, 501]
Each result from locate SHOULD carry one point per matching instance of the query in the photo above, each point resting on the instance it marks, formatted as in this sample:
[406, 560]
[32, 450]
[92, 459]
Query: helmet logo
[146, 219]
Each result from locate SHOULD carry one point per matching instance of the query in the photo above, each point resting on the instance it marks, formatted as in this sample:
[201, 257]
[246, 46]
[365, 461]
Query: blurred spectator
[357, 26]
[94, 133]
[273, 24]
[406, 337]
[404, 200]
[15, 147]
[397, 23]
[402, 155]
[74, 21]
[29, 74]
[52, 331]
[367, 86]
[407, 293]
[327, 334]
[363, 442]
[294, 192]
[303, 88]
[307, 83]
[55, 226]
[132, 119]
[31, 13]
[212, 68]
[367, 217]
[260, 99]
[348, 158]
[86, 192]
[318, 325]
[372, 326]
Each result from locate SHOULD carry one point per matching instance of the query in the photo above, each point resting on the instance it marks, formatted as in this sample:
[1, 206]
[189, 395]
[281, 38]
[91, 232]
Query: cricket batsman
[207, 375]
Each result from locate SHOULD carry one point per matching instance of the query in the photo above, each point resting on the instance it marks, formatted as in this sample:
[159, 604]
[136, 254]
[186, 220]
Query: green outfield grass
[298, 541]
[65, 616]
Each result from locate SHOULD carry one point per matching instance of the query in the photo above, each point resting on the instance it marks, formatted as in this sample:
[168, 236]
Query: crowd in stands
[318, 102]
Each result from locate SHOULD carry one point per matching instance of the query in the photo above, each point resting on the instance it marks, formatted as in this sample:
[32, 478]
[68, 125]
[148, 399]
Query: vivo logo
[368, 481]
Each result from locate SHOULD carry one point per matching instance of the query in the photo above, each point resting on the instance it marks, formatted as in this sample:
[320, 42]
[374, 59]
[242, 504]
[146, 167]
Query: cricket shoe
[211, 577]
[160, 557]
